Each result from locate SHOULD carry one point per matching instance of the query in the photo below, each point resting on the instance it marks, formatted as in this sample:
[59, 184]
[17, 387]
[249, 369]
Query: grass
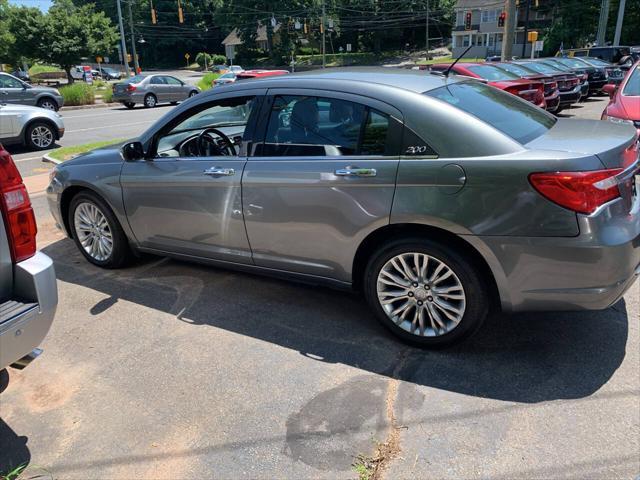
[41, 68]
[79, 93]
[67, 153]
[206, 82]
[107, 95]
[13, 474]
[365, 467]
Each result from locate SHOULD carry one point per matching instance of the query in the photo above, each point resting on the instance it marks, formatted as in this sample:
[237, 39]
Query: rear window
[632, 88]
[573, 62]
[542, 68]
[491, 73]
[136, 79]
[516, 69]
[514, 117]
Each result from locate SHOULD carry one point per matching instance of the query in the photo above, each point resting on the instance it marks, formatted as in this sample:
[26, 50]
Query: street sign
[187, 56]
[99, 59]
[532, 36]
[348, 47]
[106, 59]
[539, 46]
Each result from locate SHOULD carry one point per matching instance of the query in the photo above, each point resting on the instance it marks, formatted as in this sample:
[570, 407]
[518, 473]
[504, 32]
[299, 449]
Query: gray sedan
[438, 198]
[15, 91]
[149, 90]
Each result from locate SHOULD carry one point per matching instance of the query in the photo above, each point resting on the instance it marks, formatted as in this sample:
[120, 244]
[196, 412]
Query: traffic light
[467, 21]
[501, 19]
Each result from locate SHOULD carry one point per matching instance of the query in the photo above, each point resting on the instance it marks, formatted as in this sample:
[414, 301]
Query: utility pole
[123, 45]
[133, 39]
[426, 27]
[616, 39]
[324, 60]
[525, 41]
[602, 23]
[509, 30]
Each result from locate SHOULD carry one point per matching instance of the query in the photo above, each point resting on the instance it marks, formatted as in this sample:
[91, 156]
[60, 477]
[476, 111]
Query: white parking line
[102, 127]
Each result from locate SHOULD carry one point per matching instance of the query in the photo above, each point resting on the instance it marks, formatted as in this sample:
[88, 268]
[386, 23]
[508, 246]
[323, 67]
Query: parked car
[111, 73]
[219, 69]
[22, 75]
[581, 74]
[551, 90]
[225, 78]
[597, 76]
[569, 84]
[36, 128]
[358, 178]
[236, 69]
[624, 103]
[532, 91]
[80, 71]
[15, 91]
[149, 90]
[249, 74]
[615, 74]
[28, 290]
[612, 54]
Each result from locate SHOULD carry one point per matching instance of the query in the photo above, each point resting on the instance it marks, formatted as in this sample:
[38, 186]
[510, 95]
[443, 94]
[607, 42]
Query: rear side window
[514, 117]
[318, 126]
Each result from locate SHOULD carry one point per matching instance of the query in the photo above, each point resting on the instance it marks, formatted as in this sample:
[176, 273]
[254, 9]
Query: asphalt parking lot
[169, 370]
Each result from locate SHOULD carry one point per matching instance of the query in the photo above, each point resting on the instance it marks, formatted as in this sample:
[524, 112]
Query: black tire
[40, 136]
[192, 93]
[48, 103]
[475, 291]
[174, 103]
[129, 105]
[121, 253]
[558, 110]
[150, 100]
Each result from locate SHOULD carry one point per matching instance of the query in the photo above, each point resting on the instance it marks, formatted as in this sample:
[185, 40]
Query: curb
[88, 107]
[48, 159]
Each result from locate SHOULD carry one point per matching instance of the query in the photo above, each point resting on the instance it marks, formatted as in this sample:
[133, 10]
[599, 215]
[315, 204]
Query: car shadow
[14, 451]
[141, 107]
[521, 358]
[20, 149]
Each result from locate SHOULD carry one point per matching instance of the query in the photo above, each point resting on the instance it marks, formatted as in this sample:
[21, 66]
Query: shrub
[79, 93]
[206, 82]
[107, 95]
[218, 59]
[203, 58]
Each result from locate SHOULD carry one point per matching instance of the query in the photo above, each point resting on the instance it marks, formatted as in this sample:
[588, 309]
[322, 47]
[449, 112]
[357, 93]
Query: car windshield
[136, 79]
[632, 88]
[573, 62]
[228, 75]
[491, 73]
[514, 117]
[516, 69]
[541, 68]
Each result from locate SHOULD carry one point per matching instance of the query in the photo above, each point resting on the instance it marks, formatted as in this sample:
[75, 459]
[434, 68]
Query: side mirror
[610, 89]
[132, 151]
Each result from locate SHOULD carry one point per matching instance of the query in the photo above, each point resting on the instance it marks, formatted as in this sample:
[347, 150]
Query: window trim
[393, 138]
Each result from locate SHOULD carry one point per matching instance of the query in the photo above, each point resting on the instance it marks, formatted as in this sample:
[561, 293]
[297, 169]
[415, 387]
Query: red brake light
[582, 192]
[20, 222]
[131, 88]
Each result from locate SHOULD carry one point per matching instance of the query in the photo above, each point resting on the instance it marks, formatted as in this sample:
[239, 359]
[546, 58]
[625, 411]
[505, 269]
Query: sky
[41, 4]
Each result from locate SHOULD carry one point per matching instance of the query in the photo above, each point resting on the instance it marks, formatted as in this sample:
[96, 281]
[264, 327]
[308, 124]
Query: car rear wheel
[39, 136]
[129, 105]
[192, 93]
[425, 293]
[48, 103]
[97, 233]
[150, 100]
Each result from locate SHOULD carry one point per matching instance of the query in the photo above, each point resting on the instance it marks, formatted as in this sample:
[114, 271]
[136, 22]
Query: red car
[259, 74]
[530, 90]
[624, 105]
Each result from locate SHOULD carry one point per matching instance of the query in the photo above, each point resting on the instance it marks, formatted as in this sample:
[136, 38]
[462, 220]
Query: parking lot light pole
[616, 38]
[123, 45]
[133, 39]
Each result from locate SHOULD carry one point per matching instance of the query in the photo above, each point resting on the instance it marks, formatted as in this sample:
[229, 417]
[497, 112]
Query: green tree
[6, 37]
[70, 32]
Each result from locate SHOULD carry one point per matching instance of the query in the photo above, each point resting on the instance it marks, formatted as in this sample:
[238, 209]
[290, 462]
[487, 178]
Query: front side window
[9, 82]
[519, 120]
[205, 129]
[317, 126]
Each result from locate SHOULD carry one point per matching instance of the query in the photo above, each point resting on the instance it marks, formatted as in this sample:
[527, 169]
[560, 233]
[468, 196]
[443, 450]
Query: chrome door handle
[217, 171]
[356, 172]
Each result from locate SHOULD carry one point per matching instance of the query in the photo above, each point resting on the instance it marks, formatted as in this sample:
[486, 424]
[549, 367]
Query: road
[170, 370]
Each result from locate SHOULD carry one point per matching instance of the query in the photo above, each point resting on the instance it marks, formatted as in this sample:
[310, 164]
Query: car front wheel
[425, 292]
[97, 233]
[48, 103]
[40, 136]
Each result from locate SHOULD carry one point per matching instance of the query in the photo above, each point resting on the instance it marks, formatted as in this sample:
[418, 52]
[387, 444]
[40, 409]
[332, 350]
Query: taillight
[131, 88]
[582, 192]
[584, 77]
[20, 222]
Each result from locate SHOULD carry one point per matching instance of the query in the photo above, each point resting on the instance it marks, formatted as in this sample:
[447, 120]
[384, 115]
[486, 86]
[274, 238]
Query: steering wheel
[206, 140]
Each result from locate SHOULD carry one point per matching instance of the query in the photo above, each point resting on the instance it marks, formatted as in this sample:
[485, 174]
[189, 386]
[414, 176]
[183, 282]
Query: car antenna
[446, 72]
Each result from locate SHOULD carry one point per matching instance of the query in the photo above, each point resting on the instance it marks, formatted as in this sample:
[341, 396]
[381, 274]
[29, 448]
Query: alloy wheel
[93, 231]
[48, 104]
[421, 294]
[41, 136]
[150, 101]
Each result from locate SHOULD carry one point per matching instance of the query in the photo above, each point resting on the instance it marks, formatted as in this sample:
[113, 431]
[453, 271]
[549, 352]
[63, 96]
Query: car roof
[411, 80]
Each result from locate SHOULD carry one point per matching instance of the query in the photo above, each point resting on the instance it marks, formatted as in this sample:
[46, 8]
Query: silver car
[150, 90]
[225, 78]
[437, 198]
[15, 91]
[36, 128]
[28, 290]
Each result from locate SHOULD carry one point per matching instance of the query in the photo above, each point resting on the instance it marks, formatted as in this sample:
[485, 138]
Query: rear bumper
[25, 321]
[589, 272]
[553, 102]
[571, 96]
[596, 85]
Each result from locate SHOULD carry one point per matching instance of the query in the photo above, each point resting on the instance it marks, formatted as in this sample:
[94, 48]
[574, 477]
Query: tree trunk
[67, 70]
